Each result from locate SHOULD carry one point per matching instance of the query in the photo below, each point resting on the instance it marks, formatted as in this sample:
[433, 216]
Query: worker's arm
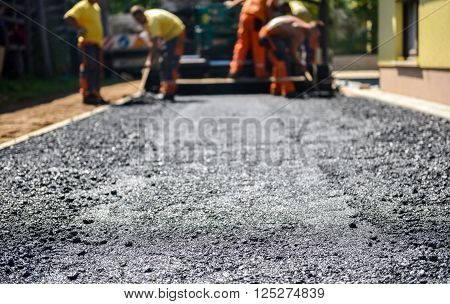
[233, 3]
[295, 51]
[154, 46]
[72, 22]
[272, 5]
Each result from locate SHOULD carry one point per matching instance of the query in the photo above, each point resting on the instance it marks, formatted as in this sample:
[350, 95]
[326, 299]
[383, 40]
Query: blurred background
[413, 57]
[30, 50]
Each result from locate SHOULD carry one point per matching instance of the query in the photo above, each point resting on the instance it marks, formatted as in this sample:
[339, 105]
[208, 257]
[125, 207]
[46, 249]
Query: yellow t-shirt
[163, 24]
[89, 17]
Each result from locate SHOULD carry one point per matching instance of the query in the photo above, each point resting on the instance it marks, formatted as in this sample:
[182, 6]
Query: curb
[60, 124]
[52, 127]
[415, 104]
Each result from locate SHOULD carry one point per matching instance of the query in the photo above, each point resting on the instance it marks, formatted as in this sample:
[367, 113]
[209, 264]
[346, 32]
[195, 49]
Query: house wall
[428, 77]
[387, 30]
[434, 34]
[420, 83]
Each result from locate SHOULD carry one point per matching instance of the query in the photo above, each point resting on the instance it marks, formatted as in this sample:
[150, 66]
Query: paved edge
[364, 74]
[60, 124]
[415, 104]
[420, 105]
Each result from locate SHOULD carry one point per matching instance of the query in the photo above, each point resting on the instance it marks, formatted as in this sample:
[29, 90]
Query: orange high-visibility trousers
[248, 40]
[281, 85]
[90, 70]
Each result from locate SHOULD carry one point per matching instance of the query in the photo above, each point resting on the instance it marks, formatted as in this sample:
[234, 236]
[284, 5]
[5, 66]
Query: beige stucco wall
[426, 84]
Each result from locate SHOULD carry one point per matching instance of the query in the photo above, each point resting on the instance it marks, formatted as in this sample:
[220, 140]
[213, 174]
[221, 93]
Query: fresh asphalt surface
[346, 191]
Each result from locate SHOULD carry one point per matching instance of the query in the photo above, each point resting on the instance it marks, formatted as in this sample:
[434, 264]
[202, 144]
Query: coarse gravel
[344, 190]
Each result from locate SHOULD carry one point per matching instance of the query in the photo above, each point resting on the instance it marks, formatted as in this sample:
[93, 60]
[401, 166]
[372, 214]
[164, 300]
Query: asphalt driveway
[231, 189]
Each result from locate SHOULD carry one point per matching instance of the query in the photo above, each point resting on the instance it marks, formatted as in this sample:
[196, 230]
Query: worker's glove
[148, 63]
[300, 69]
[160, 46]
[258, 24]
[303, 70]
[81, 31]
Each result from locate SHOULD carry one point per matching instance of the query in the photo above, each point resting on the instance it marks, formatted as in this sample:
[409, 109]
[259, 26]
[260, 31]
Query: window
[410, 25]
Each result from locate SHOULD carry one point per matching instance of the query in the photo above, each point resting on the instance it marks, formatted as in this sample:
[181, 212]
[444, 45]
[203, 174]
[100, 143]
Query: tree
[355, 26]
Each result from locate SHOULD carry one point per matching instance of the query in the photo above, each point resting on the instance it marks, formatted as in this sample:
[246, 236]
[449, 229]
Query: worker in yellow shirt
[166, 38]
[85, 17]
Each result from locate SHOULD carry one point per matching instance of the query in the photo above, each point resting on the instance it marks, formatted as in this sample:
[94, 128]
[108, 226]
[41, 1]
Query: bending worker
[297, 8]
[254, 14]
[166, 37]
[85, 17]
[281, 34]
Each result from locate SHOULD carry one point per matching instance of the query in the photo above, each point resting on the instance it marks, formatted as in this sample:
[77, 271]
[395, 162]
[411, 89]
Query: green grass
[29, 87]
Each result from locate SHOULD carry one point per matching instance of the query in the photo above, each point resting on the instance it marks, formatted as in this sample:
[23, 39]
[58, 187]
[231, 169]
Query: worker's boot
[275, 89]
[165, 97]
[289, 91]
[90, 100]
[293, 95]
[102, 102]
[168, 89]
[235, 74]
[94, 100]
[169, 97]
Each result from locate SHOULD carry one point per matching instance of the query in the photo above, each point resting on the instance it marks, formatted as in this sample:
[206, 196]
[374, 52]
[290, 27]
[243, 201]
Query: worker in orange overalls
[254, 14]
[282, 34]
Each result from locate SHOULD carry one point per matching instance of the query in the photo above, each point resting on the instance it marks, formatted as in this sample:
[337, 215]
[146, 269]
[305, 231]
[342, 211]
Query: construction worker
[298, 9]
[281, 34]
[166, 37]
[254, 14]
[85, 17]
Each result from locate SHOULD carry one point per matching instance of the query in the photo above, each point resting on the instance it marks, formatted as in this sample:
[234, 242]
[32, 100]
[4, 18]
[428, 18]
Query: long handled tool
[145, 74]
[150, 75]
[308, 76]
[150, 82]
[314, 89]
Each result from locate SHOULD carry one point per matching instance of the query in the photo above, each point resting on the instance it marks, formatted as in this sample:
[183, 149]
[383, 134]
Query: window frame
[410, 29]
